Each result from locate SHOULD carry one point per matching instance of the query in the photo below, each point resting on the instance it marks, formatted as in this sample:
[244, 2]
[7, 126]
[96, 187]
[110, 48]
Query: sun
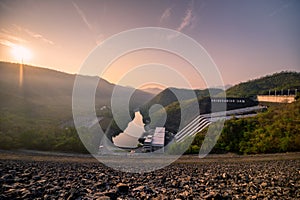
[21, 53]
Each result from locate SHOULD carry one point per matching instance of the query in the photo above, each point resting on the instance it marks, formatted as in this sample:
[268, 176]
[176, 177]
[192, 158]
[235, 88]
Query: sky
[245, 39]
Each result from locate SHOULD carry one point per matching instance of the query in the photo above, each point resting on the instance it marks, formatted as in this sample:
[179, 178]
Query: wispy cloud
[82, 16]
[280, 9]
[39, 37]
[5, 36]
[166, 14]
[97, 36]
[7, 43]
[34, 35]
[186, 21]
[11, 36]
[9, 40]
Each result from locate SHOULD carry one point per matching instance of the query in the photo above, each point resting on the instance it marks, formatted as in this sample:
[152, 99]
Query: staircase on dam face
[202, 121]
[195, 126]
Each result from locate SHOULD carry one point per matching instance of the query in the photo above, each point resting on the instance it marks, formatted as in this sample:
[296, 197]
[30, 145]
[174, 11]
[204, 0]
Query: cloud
[82, 15]
[8, 36]
[5, 36]
[186, 20]
[7, 43]
[33, 34]
[38, 36]
[166, 14]
[97, 37]
[280, 9]
[9, 40]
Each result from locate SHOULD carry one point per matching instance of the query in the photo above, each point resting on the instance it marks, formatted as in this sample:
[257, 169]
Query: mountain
[169, 101]
[278, 81]
[152, 90]
[169, 95]
[44, 100]
[38, 113]
[49, 92]
[273, 131]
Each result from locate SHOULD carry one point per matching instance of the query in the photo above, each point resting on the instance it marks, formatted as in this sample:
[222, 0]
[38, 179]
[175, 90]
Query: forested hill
[277, 130]
[278, 81]
[171, 99]
[32, 115]
[170, 95]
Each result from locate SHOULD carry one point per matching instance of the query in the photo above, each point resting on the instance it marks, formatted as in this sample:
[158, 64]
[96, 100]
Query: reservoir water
[130, 136]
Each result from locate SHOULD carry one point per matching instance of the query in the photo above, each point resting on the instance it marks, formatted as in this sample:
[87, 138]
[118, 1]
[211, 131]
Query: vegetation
[277, 130]
[278, 81]
[38, 113]
[171, 108]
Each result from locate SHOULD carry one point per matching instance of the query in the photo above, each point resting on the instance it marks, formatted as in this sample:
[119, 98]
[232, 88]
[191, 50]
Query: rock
[208, 196]
[122, 188]
[111, 194]
[184, 194]
[139, 188]
[174, 183]
[2, 196]
[104, 198]
[73, 194]
[36, 178]
[236, 180]
[218, 197]
[7, 176]
[101, 186]
[264, 184]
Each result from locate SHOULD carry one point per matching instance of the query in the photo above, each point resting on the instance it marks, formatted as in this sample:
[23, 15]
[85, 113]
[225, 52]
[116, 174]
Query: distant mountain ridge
[46, 95]
[168, 100]
[152, 90]
[32, 115]
[171, 100]
[277, 81]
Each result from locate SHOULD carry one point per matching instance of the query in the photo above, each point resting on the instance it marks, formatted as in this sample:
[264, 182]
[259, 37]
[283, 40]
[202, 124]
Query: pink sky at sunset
[246, 39]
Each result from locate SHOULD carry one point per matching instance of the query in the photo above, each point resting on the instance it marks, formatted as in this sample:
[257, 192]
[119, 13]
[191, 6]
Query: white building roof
[148, 139]
[159, 137]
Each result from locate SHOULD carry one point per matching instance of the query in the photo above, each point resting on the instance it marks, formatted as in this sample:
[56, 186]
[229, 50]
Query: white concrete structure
[195, 126]
[148, 143]
[276, 98]
[158, 140]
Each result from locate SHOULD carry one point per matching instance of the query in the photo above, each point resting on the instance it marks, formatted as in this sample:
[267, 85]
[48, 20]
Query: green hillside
[38, 114]
[278, 81]
[37, 110]
[277, 130]
[169, 101]
[246, 135]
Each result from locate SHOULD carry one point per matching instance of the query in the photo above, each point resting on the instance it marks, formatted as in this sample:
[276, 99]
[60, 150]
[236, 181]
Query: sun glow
[21, 53]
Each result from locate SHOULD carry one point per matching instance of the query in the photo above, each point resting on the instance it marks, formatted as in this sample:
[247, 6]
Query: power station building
[156, 141]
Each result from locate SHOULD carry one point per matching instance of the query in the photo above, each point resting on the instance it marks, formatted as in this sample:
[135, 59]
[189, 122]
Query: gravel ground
[231, 177]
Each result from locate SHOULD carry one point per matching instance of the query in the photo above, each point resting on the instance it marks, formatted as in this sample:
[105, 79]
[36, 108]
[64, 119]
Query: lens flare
[21, 53]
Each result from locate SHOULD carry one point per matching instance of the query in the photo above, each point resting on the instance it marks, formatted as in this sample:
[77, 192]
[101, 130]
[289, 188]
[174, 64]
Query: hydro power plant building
[156, 141]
